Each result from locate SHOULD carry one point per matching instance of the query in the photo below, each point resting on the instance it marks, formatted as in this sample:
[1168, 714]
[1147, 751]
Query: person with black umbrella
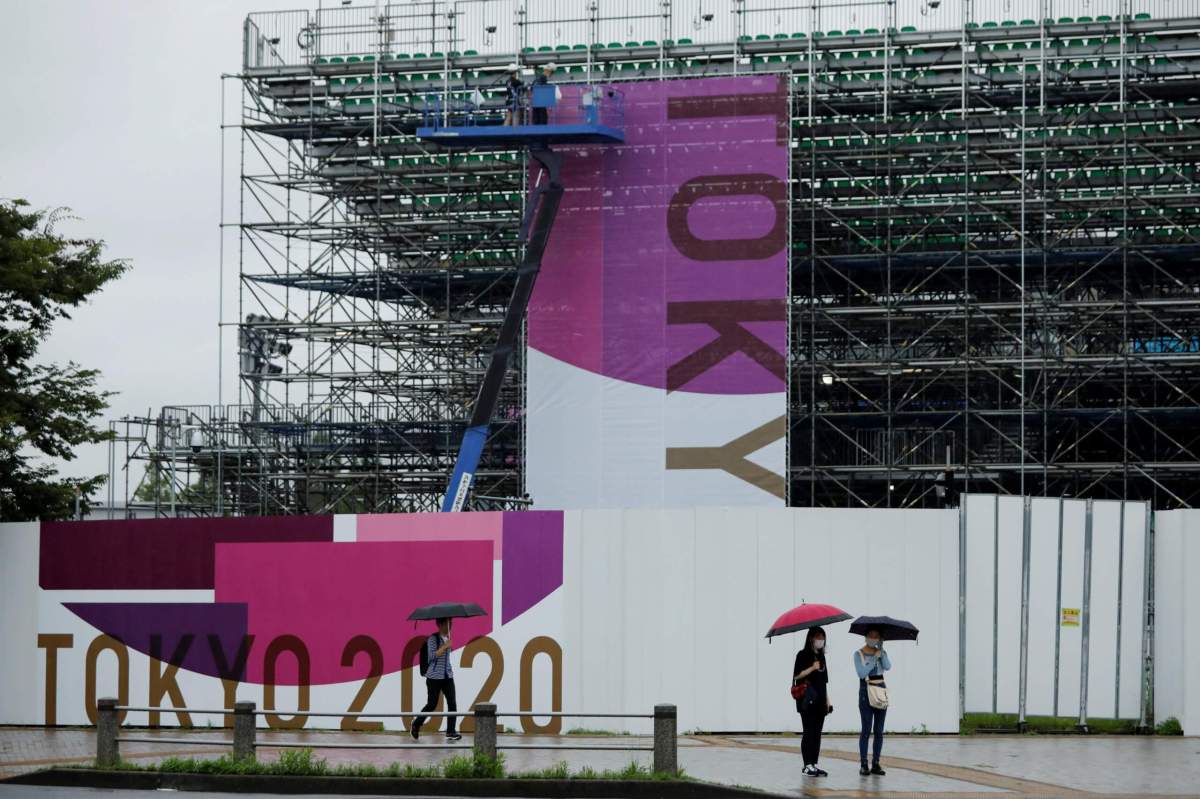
[870, 662]
[439, 680]
[435, 660]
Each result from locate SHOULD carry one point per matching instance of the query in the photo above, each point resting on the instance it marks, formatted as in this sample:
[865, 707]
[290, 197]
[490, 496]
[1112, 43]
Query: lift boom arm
[535, 231]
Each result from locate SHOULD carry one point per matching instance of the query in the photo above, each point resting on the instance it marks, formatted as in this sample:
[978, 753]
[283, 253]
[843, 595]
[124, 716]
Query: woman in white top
[870, 661]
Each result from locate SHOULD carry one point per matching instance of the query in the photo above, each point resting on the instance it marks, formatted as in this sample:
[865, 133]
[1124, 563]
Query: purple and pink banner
[658, 328]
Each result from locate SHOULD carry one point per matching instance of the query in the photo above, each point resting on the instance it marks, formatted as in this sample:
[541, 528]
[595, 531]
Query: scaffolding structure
[995, 228]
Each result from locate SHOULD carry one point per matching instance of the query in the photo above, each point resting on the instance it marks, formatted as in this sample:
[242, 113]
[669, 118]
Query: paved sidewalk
[918, 766]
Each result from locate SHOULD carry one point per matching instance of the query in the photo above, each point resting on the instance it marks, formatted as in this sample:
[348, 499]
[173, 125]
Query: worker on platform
[541, 116]
[512, 96]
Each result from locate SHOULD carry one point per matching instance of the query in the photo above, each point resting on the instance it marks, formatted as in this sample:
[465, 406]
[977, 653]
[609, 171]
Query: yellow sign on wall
[1070, 617]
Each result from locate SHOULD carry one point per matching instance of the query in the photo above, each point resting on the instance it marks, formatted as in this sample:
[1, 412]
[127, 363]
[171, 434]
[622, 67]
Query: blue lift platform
[590, 115]
[593, 116]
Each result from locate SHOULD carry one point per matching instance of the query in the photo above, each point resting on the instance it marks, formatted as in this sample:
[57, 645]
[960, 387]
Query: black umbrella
[891, 629]
[447, 610]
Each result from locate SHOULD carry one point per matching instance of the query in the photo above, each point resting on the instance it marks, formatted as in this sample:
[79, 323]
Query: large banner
[658, 327]
[308, 613]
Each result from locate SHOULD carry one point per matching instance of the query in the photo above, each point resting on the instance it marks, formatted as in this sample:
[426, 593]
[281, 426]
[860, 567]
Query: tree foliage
[46, 410]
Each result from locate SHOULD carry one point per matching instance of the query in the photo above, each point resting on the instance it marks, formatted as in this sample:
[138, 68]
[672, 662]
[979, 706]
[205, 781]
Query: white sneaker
[812, 771]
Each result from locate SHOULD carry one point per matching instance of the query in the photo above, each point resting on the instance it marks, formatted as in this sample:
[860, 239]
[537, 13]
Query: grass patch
[976, 722]
[591, 732]
[1169, 726]
[303, 763]
[474, 767]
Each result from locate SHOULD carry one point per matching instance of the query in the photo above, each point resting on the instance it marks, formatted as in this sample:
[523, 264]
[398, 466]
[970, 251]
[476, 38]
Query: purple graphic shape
[135, 623]
[156, 553]
[533, 559]
[611, 267]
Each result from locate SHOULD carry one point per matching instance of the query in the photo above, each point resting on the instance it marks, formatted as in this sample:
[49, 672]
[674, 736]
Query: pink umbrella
[807, 615]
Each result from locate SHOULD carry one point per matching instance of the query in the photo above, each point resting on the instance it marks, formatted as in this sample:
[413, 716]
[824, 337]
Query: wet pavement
[917, 765]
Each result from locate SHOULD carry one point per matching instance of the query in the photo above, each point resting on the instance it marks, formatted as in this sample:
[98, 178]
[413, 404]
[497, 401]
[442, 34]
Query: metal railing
[450, 28]
[485, 742]
[591, 105]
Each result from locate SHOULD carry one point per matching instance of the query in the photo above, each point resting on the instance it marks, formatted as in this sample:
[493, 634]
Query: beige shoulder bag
[877, 692]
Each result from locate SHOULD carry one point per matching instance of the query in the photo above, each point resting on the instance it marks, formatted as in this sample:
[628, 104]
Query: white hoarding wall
[672, 606]
[1110, 606]
[1177, 618]
[602, 611]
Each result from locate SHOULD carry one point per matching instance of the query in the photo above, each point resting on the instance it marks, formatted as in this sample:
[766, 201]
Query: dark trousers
[812, 717]
[446, 689]
[872, 721]
[541, 116]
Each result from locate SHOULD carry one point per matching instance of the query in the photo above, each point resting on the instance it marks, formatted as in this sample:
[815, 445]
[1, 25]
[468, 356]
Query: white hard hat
[551, 65]
[513, 68]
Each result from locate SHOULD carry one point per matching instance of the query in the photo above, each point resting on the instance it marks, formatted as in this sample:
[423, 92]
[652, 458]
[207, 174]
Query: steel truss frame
[995, 233]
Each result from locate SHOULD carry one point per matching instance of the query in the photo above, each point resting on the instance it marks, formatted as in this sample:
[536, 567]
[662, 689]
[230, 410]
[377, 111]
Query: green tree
[46, 410]
[155, 488]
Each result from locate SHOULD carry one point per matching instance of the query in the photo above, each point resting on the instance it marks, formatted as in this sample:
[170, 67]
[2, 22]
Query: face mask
[818, 645]
[873, 643]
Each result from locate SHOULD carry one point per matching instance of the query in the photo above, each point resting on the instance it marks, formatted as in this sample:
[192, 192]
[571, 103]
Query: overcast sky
[113, 109]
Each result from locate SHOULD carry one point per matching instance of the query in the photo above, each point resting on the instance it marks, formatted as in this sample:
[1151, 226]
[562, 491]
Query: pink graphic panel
[433, 527]
[667, 266]
[325, 594]
[157, 553]
[529, 543]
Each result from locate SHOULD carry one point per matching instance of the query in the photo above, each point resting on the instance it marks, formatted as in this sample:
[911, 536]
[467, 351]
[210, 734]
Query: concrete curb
[390, 786]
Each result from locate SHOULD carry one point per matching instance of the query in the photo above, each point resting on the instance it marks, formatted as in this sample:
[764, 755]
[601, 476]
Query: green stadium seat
[545, 48]
[763, 37]
[781, 36]
[1065, 21]
[1008, 23]
[649, 43]
[871, 32]
[614, 45]
[579, 47]
[990, 24]
[1142, 15]
[908, 29]
[1103, 18]
[853, 32]
[1028, 23]
[632, 44]
[833, 34]
[1083, 19]
[684, 40]
[562, 48]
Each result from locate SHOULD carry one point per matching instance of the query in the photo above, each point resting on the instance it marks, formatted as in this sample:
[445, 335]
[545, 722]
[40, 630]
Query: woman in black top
[813, 705]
